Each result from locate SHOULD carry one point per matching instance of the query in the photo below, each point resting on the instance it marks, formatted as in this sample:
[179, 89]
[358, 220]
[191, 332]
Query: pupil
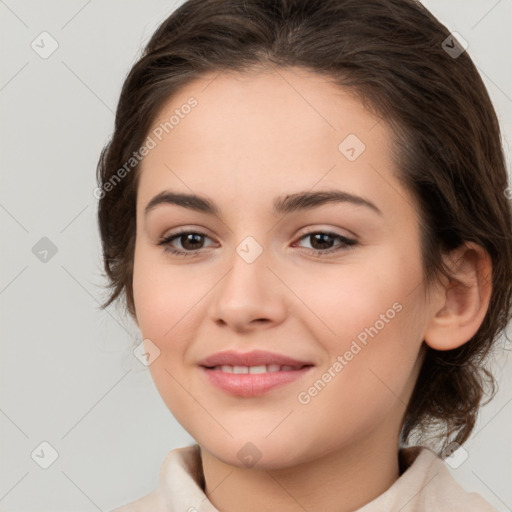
[188, 238]
[321, 237]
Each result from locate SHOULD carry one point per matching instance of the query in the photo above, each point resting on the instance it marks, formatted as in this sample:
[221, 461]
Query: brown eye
[322, 242]
[190, 241]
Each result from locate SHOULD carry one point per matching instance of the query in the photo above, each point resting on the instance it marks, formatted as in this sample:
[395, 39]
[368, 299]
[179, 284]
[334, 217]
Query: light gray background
[67, 375]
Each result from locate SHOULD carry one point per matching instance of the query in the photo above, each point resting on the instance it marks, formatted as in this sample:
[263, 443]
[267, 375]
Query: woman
[323, 376]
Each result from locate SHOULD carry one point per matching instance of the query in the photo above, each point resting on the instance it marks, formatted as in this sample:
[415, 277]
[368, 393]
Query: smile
[269, 368]
[252, 381]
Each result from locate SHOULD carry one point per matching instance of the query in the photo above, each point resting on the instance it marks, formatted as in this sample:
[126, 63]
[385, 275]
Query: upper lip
[253, 358]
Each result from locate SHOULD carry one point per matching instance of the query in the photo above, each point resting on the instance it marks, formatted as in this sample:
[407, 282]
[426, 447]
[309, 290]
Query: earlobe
[460, 304]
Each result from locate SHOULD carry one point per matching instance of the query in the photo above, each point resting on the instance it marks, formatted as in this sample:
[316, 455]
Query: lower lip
[252, 384]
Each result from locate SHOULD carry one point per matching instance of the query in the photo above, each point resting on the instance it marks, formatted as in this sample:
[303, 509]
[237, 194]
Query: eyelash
[347, 243]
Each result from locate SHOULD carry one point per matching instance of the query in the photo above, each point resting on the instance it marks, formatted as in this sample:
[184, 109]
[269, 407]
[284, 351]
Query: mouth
[253, 381]
[265, 368]
[252, 359]
[251, 374]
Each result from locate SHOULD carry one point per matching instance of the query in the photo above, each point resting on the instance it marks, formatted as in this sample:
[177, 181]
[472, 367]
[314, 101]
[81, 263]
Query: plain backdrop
[73, 397]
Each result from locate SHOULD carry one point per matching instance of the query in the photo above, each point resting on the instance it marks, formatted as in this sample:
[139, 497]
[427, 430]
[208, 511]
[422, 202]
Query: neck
[342, 480]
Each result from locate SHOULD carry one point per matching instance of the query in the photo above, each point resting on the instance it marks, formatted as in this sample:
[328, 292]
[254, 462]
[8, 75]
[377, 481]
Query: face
[336, 284]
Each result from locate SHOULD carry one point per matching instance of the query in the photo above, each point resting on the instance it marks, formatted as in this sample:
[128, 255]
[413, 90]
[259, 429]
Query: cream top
[425, 485]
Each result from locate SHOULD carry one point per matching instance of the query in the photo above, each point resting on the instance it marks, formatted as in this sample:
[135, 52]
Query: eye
[320, 239]
[192, 240]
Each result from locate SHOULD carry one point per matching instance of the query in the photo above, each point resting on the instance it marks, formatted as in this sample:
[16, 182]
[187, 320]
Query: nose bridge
[250, 249]
[248, 269]
[246, 292]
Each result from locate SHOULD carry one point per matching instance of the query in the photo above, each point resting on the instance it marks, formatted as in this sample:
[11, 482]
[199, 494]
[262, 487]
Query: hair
[392, 55]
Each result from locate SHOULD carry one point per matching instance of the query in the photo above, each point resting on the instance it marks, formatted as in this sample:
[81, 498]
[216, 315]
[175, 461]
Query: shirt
[424, 485]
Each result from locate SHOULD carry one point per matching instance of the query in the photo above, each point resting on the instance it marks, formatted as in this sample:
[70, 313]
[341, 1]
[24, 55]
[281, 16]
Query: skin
[277, 132]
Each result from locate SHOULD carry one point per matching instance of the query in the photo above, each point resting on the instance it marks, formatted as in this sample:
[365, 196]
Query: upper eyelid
[308, 230]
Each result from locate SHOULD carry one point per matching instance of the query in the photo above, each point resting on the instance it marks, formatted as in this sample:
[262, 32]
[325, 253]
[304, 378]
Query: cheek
[164, 295]
[368, 378]
[346, 299]
[375, 315]
[164, 301]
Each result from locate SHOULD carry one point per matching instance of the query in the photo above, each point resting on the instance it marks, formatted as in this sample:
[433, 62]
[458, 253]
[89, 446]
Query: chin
[260, 453]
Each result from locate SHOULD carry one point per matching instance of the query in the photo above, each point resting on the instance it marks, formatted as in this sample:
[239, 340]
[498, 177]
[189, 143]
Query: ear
[459, 305]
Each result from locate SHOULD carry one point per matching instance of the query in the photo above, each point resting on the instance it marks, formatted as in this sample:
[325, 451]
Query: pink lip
[251, 384]
[253, 358]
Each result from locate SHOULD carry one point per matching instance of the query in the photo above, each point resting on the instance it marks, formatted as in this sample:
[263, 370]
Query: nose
[249, 296]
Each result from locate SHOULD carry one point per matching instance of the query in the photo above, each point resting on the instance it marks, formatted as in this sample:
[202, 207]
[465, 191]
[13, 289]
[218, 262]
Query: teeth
[257, 369]
[269, 368]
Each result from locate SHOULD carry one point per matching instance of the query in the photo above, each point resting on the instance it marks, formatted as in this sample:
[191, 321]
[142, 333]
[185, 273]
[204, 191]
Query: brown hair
[395, 55]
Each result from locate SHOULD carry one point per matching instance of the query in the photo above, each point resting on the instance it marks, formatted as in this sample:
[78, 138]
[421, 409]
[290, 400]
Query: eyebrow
[282, 205]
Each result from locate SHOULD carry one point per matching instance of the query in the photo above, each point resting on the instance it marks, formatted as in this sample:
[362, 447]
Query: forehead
[277, 105]
[279, 129]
